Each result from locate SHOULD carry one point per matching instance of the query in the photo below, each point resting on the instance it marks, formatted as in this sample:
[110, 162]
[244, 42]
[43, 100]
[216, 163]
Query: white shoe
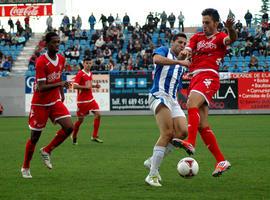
[46, 158]
[147, 164]
[153, 181]
[221, 167]
[26, 173]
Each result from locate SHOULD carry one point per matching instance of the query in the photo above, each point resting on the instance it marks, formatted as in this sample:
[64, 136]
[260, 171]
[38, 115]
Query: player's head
[87, 63]
[178, 43]
[52, 41]
[210, 20]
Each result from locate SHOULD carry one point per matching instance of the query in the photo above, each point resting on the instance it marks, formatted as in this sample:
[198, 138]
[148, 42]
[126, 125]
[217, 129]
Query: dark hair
[49, 36]
[174, 37]
[87, 58]
[212, 13]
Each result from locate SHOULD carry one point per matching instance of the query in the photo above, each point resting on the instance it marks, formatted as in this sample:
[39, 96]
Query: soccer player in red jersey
[207, 49]
[47, 102]
[85, 100]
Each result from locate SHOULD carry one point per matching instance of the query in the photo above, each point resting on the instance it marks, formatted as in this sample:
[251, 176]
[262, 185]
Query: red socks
[193, 124]
[58, 139]
[96, 127]
[210, 141]
[29, 151]
[76, 129]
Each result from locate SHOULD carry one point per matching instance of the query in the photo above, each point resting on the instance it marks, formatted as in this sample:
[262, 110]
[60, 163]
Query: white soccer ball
[187, 167]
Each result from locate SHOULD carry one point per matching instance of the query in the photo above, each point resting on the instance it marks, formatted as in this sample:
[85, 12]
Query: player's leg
[165, 124]
[210, 141]
[76, 129]
[58, 114]
[38, 117]
[96, 124]
[29, 151]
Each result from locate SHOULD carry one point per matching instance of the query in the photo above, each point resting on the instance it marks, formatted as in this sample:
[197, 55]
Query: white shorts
[160, 97]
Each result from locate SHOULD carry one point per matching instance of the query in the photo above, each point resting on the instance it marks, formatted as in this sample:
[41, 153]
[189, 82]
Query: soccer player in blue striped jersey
[170, 118]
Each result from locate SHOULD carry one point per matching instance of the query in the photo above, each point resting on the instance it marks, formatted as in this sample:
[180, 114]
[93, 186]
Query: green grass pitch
[114, 170]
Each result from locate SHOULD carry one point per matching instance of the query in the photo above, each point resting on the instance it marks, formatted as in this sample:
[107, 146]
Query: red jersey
[207, 52]
[50, 71]
[83, 78]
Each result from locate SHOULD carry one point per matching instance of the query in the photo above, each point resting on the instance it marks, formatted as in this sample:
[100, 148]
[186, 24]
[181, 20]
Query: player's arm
[83, 87]
[160, 60]
[43, 86]
[232, 35]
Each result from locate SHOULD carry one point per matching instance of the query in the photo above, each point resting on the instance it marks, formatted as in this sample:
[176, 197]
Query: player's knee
[68, 130]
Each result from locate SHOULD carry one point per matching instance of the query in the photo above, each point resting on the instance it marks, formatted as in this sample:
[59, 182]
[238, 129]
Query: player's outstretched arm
[160, 60]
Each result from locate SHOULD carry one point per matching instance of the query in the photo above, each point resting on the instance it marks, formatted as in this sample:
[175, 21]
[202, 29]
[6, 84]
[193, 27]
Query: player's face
[87, 64]
[53, 45]
[178, 45]
[209, 25]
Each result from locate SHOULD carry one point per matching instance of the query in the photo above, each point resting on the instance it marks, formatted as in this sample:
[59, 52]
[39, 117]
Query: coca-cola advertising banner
[31, 10]
[24, 1]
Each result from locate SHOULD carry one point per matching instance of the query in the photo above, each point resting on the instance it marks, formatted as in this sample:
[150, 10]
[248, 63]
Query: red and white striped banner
[31, 10]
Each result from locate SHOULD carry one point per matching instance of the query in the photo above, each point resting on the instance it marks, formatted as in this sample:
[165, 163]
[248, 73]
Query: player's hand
[66, 84]
[62, 99]
[229, 23]
[184, 54]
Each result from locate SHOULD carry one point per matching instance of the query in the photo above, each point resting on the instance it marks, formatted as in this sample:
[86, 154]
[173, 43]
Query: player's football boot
[153, 181]
[221, 167]
[183, 144]
[26, 173]
[74, 140]
[46, 158]
[147, 164]
[96, 139]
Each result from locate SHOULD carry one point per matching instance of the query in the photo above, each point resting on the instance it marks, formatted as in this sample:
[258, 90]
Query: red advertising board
[27, 10]
[253, 90]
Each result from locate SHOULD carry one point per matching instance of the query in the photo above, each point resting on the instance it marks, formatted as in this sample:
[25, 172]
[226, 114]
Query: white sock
[157, 157]
[169, 149]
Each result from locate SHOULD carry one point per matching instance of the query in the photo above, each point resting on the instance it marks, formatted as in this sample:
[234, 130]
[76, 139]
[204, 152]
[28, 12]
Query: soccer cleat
[221, 167]
[147, 164]
[45, 158]
[26, 173]
[153, 181]
[183, 144]
[96, 139]
[74, 141]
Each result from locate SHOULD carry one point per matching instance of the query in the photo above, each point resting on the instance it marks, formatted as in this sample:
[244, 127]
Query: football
[187, 167]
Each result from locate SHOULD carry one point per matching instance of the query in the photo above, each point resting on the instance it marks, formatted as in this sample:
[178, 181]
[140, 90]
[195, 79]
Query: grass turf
[114, 170]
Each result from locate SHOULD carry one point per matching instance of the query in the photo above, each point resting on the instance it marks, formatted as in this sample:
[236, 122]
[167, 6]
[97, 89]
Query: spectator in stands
[267, 49]
[163, 18]
[103, 20]
[107, 53]
[253, 64]
[6, 65]
[265, 16]
[150, 19]
[78, 22]
[236, 69]
[49, 23]
[11, 25]
[100, 42]
[181, 19]
[171, 20]
[156, 20]
[248, 18]
[126, 21]
[118, 21]
[27, 21]
[92, 21]
[266, 67]
[239, 25]
[248, 49]
[110, 20]
[18, 25]
[73, 22]
[65, 22]
[111, 65]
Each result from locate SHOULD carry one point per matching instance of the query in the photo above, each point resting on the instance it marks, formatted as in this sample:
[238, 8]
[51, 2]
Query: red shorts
[85, 108]
[39, 115]
[205, 83]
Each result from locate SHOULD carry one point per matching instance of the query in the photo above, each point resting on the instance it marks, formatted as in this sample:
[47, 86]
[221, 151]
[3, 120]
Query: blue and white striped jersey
[167, 78]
